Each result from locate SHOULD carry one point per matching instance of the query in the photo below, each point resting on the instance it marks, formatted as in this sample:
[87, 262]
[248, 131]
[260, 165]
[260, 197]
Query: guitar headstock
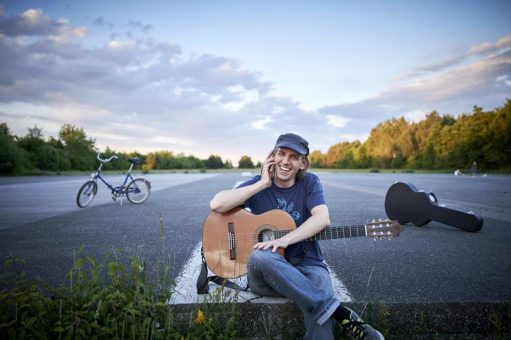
[383, 229]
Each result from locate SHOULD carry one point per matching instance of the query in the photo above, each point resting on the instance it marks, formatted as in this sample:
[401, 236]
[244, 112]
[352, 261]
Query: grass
[106, 299]
[112, 298]
[109, 298]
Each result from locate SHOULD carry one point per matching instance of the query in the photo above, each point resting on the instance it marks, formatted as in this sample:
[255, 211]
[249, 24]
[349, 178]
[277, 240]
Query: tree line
[73, 150]
[436, 142]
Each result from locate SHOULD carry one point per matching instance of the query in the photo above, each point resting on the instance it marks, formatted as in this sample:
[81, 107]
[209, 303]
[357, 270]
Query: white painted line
[341, 292]
[185, 290]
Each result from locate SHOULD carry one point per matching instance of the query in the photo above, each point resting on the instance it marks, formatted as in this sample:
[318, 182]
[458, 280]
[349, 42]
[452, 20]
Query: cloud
[147, 95]
[144, 28]
[483, 81]
[262, 122]
[103, 22]
[484, 49]
[177, 99]
[337, 121]
[33, 22]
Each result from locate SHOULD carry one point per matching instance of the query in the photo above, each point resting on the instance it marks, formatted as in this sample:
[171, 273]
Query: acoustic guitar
[405, 203]
[228, 238]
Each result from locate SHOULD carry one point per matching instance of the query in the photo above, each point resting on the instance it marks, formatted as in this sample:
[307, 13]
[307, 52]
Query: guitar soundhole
[266, 235]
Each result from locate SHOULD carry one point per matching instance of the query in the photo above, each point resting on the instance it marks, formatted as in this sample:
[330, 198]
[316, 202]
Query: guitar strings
[354, 231]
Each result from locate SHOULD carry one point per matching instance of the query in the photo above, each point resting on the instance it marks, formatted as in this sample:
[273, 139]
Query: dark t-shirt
[298, 201]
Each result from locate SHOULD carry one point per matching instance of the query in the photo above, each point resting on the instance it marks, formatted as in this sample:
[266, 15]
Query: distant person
[473, 168]
[458, 172]
[301, 276]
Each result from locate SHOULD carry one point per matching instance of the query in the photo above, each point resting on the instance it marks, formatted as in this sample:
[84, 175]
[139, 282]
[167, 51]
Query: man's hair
[301, 173]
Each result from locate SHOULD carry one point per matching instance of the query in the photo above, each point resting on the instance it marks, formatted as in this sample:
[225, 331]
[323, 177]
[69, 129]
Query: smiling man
[301, 275]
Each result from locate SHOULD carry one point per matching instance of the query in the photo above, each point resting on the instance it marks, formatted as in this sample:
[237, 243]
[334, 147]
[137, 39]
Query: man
[301, 276]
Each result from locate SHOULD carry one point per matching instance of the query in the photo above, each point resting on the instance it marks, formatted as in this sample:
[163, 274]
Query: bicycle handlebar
[106, 160]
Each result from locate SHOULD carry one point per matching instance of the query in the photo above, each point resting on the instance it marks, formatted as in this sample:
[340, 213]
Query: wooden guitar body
[405, 203]
[228, 239]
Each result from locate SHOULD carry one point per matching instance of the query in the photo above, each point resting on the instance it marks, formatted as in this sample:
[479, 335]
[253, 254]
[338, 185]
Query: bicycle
[137, 191]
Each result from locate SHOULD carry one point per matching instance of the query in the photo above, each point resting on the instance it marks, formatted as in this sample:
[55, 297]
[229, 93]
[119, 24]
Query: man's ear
[302, 164]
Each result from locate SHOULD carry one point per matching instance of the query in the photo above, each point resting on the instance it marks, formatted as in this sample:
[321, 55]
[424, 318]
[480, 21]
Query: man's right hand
[268, 171]
[227, 199]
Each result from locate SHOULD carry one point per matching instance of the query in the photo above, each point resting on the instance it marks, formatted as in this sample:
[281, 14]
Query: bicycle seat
[134, 160]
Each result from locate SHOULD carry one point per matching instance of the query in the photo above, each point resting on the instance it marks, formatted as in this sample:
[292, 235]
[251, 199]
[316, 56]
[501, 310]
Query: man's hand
[274, 244]
[266, 178]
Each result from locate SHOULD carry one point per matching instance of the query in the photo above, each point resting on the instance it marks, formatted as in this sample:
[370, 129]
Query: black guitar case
[405, 203]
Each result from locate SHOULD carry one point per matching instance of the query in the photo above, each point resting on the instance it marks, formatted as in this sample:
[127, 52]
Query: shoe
[356, 328]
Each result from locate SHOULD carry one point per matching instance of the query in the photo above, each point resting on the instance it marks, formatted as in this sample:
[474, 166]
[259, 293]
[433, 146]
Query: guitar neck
[331, 233]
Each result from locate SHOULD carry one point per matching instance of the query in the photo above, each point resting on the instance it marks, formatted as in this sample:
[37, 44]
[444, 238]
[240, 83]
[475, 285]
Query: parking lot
[430, 264]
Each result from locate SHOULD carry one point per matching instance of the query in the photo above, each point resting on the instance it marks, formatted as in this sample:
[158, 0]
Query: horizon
[233, 162]
[227, 78]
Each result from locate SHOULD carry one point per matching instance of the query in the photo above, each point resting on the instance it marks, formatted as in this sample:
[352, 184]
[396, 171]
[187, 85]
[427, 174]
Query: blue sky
[227, 77]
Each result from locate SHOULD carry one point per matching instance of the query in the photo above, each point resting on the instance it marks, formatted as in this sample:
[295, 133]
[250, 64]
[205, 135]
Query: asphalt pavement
[435, 263]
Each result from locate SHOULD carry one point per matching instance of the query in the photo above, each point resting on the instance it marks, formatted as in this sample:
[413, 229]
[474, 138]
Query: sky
[228, 77]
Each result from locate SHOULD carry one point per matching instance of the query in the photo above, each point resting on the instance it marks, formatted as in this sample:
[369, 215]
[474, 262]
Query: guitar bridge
[232, 241]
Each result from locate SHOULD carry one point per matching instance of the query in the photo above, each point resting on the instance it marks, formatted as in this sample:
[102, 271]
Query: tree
[43, 155]
[12, 157]
[317, 159]
[228, 164]
[498, 148]
[79, 149]
[32, 143]
[214, 162]
[336, 154]
[150, 162]
[388, 140]
[245, 162]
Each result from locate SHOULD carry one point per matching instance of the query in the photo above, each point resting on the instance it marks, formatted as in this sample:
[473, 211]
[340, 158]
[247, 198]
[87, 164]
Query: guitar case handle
[433, 198]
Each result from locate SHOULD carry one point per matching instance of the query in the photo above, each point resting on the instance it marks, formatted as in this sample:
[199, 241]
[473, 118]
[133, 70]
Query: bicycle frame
[119, 190]
[136, 190]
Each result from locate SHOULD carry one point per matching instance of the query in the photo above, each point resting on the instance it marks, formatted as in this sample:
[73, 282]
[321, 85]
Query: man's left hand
[274, 244]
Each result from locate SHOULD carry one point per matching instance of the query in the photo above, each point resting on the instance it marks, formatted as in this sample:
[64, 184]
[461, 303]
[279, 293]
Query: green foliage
[228, 164]
[79, 148]
[217, 318]
[245, 162]
[437, 142]
[214, 162]
[103, 300]
[167, 160]
[12, 158]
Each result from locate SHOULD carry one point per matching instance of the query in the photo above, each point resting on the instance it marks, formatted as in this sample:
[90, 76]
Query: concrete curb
[471, 320]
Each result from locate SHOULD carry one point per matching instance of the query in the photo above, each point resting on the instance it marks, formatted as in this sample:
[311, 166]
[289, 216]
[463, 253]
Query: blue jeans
[308, 285]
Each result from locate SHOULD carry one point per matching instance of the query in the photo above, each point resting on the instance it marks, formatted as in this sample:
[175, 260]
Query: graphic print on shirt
[282, 204]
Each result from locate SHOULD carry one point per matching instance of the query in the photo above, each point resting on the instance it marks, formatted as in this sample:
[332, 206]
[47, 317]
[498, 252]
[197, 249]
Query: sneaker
[356, 328]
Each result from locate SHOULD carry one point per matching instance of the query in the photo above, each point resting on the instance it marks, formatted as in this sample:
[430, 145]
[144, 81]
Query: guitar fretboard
[332, 233]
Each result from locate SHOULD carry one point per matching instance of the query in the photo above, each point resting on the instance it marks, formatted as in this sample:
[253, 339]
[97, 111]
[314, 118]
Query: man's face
[288, 162]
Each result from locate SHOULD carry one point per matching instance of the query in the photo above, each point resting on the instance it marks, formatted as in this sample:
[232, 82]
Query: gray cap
[294, 142]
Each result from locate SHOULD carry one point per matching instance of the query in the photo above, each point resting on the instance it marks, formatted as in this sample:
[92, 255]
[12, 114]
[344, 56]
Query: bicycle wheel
[86, 194]
[138, 190]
